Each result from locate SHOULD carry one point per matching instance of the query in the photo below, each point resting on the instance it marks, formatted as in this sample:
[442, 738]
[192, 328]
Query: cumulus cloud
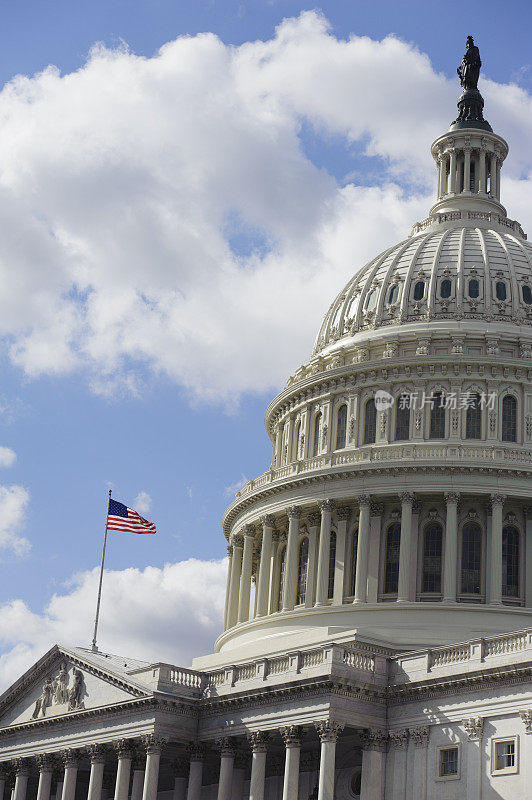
[142, 503]
[13, 504]
[162, 215]
[7, 457]
[170, 614]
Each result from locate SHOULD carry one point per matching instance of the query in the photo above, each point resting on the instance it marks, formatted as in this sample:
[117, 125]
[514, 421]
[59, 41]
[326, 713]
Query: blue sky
[143, 419]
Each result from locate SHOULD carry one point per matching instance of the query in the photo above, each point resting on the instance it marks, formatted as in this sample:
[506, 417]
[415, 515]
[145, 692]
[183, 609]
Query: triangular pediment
[64, 682]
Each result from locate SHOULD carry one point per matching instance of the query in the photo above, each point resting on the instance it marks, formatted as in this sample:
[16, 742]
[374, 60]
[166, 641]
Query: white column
[274, 568]
[236, 566]
[498, 173]
[322, 584]
[228, 583]
[313, 521]
[493, 175]
[497, 503]
[376, 511]
[239, 776]
[526, 755]
[442, 175]
[452, 171]
[46, 768]
[292, 741]
[451, 548]
[373, 764]
[245, 579]
[180, 779]
[265, 564]
[22, 773]
[420, 737]
[467, 168]
[154, 745]
[123, 772]
[70, 760]
[473, 756]
[361, 575]
[342, 515]
[97, 757]
[528, 557]
[138, 777]
[195, 775]
[227, 760]
[259, 745]
[396, 770]
[328, 732]
[482, 170]
[292, 554]
[407, 500]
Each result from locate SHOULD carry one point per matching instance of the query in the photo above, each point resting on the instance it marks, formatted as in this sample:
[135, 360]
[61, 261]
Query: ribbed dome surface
[456, 272]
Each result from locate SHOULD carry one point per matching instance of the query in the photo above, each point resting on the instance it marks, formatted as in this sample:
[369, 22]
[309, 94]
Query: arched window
[445, 290]
[419, 290]
[332, 564]
[473, 417]
[316, 440]
[432, 546]
[471, 563]
[391, 561]
[527, 294]
[341, 427]
[370, 422]
[354, 561]
[500, 290]
[510, 561]
[437, 417]
[402, 419]
[509, 419]
[302, 572]
[295, 446]
[371, 300]
[393, 294]
[473, 288]
[282, 571]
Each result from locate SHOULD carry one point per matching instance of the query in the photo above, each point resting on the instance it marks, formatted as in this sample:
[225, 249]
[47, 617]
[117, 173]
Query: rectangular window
[448, 761]
[504, 755]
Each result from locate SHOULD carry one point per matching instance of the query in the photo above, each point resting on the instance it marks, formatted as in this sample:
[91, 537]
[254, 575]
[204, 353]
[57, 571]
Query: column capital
[229, 550]
[153, 743]
[398, 740]
[291, 735]
[420, 736]
[374, 739]
[407, 498]
[45, 762]
[238, 540]
[474, 727]
[69, 757]
[497, 500]
[22, 766]
[343, 513]
[180, 767]
[293, 512]
[96, 752]
[196, 751]
[526, 717]
[363, 500]
[259, 741]
[249, 530]
[267, 521]
[376, 509]
[326, 505]
[313, 519]
[452, 498]
[226, 746]
[123, 748]
[328, 731]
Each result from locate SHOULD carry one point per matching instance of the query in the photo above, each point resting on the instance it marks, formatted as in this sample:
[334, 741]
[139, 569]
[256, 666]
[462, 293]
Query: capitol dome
[396, 507]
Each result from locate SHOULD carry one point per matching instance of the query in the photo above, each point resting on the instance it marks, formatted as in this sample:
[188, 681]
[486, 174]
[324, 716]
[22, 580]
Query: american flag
[122, 518]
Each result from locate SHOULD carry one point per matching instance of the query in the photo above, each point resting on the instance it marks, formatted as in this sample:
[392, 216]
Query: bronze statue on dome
[469, 69]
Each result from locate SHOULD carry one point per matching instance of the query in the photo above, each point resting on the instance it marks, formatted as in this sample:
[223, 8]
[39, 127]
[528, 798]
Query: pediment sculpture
[57, 692]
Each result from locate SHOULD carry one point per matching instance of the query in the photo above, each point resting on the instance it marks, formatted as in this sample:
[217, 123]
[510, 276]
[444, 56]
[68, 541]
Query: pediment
[63, 683]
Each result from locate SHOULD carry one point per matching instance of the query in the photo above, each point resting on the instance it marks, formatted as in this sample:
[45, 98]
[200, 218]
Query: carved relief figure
[75, 701]
[61, 685]
[44, 700]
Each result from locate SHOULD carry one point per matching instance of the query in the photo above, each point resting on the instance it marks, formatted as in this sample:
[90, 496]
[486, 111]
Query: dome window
[302, 573]
[473, 417]
[371, 300]
[473, 288]
[332, 565]
[402, 419]
[445, 289]
[437, 417]
[393, 294]
[471, 558]
[500, 291]
[391, 559]
[341, 427]
[370, 422]
[509, 419]
[432, 550]
[419, 290]
[527, 294]
[510, 561]
[317, 428]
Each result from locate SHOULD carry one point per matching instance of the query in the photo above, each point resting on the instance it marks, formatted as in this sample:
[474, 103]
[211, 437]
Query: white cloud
[160, 214]
[170, 614]
[13, 504]
[7, 457]
[142, 503]
[233, 488]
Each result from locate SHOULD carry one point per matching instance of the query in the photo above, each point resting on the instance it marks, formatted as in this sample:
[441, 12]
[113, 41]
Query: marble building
[377, 638]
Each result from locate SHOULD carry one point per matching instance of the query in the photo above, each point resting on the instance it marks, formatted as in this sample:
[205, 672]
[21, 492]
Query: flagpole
[94, 647]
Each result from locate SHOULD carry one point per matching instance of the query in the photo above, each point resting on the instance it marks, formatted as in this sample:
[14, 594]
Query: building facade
[377, 639]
